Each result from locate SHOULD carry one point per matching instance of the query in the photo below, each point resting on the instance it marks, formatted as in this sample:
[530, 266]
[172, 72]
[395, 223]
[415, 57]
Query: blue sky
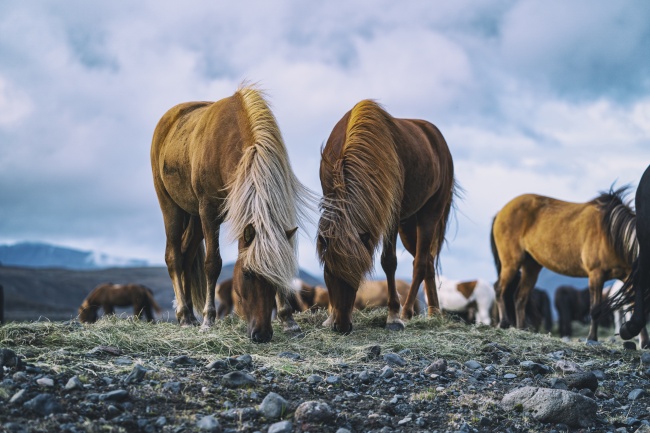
[532, 96]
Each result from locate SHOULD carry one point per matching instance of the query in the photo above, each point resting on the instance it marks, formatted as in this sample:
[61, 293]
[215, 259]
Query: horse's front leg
[213, 264]
[389, 265]
[285, 313]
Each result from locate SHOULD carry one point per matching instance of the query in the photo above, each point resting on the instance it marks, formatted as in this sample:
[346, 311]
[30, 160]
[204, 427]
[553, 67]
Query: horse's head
[253, 293]
[87, 313]
[346, 256]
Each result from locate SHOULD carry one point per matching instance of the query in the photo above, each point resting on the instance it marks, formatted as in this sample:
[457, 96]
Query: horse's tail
[495, 253]
[152, 301]
[441, 228]
[198, 282]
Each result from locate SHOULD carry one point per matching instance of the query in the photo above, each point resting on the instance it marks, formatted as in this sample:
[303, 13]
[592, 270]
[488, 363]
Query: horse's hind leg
[596, 281]
[213, 263]
[529, 272]
[389, 265]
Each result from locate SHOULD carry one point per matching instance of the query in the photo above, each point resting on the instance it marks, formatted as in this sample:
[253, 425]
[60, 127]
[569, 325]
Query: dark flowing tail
[153, 303]
[495, 253]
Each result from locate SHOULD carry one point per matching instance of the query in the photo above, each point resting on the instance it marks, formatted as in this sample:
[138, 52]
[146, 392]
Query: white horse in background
[619, 316]
[458, 296]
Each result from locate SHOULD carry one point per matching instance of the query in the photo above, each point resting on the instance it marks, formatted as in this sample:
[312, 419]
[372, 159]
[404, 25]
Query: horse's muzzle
[341, 329]
[261, 336]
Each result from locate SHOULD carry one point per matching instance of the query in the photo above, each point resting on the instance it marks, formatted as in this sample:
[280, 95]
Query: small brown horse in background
[108, 296]
[381, 175]
[371, 294]
[226, 161]
[594, 239]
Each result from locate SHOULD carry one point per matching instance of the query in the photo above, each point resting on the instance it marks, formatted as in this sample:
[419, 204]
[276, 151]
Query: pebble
[509, 376]
[208, 423]
[123, 361]
[183, 360]
[281, 427]
[473, 365]
[364, 376]
[45, 382]
[386, 372]
[314, 378]
[314, 412]
[44, 404]
[394, 359]
[437, 366]
[117, 395]
[273, 406]
[333, 380]
[136, 375]
[73, 383]
[18, 397]
[535, 367]
[237, 379]
[290, 355]
[582, 380]
[636, 394]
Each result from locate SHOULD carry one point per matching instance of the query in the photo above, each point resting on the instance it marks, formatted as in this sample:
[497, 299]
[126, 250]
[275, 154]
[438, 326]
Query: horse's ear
[365, 238]
[249, 234]
[291, 232]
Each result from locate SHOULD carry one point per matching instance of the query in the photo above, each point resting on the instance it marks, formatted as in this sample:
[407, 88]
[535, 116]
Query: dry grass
[320, 349]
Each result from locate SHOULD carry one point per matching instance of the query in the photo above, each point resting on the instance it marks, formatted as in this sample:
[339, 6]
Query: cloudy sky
[532, 96]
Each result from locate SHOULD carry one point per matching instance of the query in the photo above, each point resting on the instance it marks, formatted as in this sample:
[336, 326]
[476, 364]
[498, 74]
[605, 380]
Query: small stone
[473, 365]
[314, 412]
[290, 355]
[333, 380]
[45, 382]
[219, 364]
[629, 346]
[558, 383]
[509, 376]
[636, 394]
[386, 372]
[404, 421]
[18, 397]
[117, 395]
[208, 423]
[237, 379]
[273, 406]
[343, 430]
[582, 380]
[281, 427]
[645, 358]
[183, 360]
[364, 376]
[73, 383]
[161, 421]
[113, 411]
[314, 378]
[394, 359]
[173, 387]
[568, 366]
[136, 375]
[437, 366]
[535, 367]
[373, 352]
[44, 404]
[123, 361]
[8, 358]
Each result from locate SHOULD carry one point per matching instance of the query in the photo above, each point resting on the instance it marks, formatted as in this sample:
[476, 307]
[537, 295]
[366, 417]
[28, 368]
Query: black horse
[636, 290]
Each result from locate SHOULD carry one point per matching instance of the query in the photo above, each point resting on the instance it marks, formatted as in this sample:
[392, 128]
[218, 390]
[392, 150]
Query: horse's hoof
[292, 329]
[406, 315]
[395, 326]
[204, 329]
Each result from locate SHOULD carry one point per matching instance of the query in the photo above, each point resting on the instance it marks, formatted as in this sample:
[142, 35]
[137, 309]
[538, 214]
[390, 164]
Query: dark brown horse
[108, 296]
[381, 175]
[226, 161]
[636, 290]
[594, 239]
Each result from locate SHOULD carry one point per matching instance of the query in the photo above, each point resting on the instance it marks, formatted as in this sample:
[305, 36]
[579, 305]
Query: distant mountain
[41, 255]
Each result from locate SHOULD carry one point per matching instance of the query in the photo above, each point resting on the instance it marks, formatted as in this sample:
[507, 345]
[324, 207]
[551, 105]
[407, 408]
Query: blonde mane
[266, 193]
[367, 191]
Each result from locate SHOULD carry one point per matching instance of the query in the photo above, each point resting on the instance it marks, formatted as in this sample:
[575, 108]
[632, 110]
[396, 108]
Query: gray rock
[373, 352]
[553, 405]
[281, 427]
[73, 383]
[117, 395]
[314, 378]
[290, 355]
[136, 375]
[8, 358]
[582, 380]
[219, 364]
[184, 360]
[208, 423]
[44, 404]
[568, 366]
[343, 430]
[473, 365]
[509, 376]
[237, 379]
[386, 372]
[535, 367]
[437, 366]
[45, 382]
[364, 376]
[394, 359]
[123, 361]
[273, 406]
[314, 412]
[645, 358]
[636, 394]
[173, 387]
[18, 397]
[558, 383]
[333, 380]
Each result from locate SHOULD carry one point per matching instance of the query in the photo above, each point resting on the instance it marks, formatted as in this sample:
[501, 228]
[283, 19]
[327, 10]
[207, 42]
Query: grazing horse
[571, 304]
[109, 295]
[296, 298]
[636, 290]
[594, 239]
[473, 298]
[538, 310]
[226, 161]
[371, 294]
[381, 175]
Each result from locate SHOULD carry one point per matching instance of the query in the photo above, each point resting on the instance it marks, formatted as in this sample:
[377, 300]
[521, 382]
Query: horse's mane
[266, 193]
[367, 187]
[620, 222]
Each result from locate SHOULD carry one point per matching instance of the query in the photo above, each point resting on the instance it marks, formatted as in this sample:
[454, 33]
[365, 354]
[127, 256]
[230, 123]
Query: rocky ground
[436, 376]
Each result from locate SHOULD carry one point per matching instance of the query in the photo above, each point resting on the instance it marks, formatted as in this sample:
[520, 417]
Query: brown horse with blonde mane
[381, 175]
[226, 161]
[108, 296]
[595, 239]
